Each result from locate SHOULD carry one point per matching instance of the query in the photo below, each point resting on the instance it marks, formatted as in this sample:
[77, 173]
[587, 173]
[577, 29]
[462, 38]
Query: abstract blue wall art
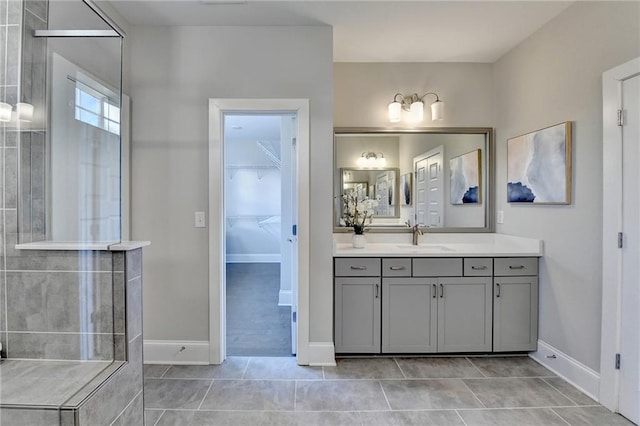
[406, 189]
[539, 166]
[464, 173]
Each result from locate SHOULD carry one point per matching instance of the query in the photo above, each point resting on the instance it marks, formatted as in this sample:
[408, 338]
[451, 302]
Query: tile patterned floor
[461, 391]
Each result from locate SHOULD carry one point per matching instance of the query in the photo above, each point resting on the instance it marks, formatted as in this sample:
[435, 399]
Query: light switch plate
[200, 220]
[500, 218]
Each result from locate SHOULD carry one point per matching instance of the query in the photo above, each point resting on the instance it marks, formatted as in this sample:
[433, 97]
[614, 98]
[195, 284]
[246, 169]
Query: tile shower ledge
[75, 246]
[440, 245]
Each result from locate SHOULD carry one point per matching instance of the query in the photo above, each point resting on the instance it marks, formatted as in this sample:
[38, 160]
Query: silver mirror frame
[490, 189]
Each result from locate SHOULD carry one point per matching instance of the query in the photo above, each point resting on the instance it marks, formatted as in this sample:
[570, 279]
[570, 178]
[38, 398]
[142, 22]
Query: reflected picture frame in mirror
[418, 156]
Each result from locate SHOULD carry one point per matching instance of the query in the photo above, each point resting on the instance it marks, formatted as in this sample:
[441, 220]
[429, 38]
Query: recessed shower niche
[70, 152]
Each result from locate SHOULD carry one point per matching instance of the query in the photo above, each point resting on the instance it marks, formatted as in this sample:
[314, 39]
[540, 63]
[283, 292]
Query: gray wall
[555, 76]
[174, 71]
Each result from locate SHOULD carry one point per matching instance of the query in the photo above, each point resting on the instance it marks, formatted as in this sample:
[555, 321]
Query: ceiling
[371, 31]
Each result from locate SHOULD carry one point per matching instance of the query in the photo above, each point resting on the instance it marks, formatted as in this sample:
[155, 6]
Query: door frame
[217, 313]
[611, 225]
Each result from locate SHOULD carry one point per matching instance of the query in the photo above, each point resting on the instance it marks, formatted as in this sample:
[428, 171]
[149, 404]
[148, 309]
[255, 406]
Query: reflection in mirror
[439, 179]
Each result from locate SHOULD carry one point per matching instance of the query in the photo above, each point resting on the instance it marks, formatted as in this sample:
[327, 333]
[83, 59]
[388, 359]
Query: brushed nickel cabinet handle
[359, 268]
[478, 268]
[435, 291]
[441, 291]
[397, 268]
[516, 267]
[377, 290]
[497, 290]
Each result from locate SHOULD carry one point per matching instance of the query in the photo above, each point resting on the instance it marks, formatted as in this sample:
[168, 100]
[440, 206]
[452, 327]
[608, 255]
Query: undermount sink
[424, 247]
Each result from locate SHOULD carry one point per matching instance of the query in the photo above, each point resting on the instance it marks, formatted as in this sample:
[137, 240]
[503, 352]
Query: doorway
[259, 217]
[429, 188]
[620, 355]
[294, 231]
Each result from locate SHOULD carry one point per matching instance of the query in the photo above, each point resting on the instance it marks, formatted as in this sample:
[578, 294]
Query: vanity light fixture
[415, 106]
[372, 159]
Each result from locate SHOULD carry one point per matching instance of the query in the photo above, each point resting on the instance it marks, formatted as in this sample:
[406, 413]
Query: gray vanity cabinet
[357, 305]
[515, 304]
[464, 314]
[409, 315]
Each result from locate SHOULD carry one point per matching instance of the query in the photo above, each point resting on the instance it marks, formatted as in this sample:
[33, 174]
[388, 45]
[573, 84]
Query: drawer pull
[516, 267]
[359, 268]
[479, 268]
[397, 268]
[435, 291]
[497, 290]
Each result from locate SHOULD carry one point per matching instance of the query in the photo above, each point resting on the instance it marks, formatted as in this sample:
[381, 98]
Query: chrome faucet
[416, 231]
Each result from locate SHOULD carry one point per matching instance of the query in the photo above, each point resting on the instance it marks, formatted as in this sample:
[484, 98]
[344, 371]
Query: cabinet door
[464, 314]
[409, 315]
[357, 316]
[515, 314]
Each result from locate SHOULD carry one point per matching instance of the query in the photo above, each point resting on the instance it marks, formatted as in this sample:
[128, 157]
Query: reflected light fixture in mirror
[414, 104]
[24, 112]
[5, 112]
[372, 160]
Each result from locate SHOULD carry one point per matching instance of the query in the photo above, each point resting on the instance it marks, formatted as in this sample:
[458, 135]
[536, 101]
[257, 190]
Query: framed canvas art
[539, 166]
[406, 188]
[464, 178]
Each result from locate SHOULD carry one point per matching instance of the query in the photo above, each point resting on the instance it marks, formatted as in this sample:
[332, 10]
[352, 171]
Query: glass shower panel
[81, 163]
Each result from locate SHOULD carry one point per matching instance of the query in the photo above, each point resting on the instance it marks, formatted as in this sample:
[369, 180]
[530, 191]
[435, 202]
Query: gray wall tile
[134, 308]
[133, 414]
[60, 346]
[11, 138]
[13, 55]
[119, 314]
[134, 263]
[60, 302]
[20, 417]
[3, 41]
[14, 12]
[10, 178]
[117, 393]
[39, 8]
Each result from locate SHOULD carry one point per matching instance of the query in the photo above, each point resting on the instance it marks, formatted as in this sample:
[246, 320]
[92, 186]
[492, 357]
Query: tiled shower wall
[53, 305]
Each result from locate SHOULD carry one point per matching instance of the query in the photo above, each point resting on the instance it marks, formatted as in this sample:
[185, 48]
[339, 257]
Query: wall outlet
[500, 216]
[200, 220]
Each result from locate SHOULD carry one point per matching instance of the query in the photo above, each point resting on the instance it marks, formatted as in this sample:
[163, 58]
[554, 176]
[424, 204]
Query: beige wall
[362, 92]
[175, 70]
[556, 76]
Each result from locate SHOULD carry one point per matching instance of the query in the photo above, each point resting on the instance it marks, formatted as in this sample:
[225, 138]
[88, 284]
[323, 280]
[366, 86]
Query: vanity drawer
[396, 267]
[357, 267]
[437, 267]
[478, 267]
[505, 266]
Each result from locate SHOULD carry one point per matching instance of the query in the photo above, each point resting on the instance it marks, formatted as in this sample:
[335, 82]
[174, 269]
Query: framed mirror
[438, 178]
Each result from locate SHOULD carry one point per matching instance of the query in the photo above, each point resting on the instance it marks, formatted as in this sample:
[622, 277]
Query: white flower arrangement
[356, 210]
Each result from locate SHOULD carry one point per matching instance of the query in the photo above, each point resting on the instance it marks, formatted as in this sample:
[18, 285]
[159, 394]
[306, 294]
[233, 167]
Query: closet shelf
[260, 220]
[260, 169]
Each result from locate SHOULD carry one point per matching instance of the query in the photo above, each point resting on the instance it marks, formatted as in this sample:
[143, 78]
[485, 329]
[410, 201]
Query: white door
[289, 253]
[629, 402]
[429, 188]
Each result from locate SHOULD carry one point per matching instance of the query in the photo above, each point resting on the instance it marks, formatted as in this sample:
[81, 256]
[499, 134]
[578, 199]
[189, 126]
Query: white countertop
[80, 246]
[439, 245]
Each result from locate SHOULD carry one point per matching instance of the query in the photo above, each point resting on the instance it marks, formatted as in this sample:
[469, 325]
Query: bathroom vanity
[461, 293]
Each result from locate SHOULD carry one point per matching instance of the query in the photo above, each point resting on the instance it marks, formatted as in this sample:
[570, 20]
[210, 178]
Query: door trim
[611, 225]
[217, 107]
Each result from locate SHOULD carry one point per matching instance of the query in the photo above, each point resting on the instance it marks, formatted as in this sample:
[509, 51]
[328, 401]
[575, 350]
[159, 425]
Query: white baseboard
[284, 298]
[574, 372]
[253, 258]
[322, 354]
[172, 352]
